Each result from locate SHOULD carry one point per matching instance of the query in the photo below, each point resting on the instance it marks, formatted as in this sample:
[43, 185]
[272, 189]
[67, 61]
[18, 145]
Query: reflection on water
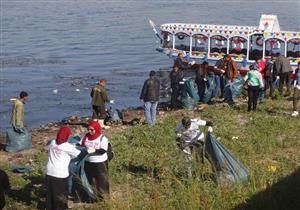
[57, 50]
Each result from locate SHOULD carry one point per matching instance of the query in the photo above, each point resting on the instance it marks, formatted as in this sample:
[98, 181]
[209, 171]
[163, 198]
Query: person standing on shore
[17, 115]
[201, 79]
[60, 153]
[99, 98]
[229, 71]
[283, 69]
[150, 97]
[181, 63]
[255, 82]
[269, 78]
[96, 165]
[261, 65]
[176, 77]
[296, 95]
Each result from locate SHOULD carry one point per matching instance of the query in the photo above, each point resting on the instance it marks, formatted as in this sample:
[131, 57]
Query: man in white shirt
[189, 137]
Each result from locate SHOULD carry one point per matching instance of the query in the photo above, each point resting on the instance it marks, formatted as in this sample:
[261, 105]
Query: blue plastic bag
[210, 89]
[226, 167]
[233, 89]
[17, 140]
[189, 95]
[78, 175]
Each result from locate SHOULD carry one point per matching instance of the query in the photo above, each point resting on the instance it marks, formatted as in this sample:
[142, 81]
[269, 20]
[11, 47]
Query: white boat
[244, 43]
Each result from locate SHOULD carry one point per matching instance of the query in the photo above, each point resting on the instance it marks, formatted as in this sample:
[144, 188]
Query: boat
[245, 44]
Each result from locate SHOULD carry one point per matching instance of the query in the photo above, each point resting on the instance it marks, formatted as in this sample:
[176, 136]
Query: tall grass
[148, 171]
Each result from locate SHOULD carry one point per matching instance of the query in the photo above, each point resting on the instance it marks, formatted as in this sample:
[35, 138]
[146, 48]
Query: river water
[68, 45]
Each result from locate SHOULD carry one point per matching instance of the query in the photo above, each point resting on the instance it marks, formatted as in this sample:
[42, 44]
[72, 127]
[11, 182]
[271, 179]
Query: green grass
[148, 172]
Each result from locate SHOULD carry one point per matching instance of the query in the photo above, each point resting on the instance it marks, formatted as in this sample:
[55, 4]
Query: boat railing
[241, 42]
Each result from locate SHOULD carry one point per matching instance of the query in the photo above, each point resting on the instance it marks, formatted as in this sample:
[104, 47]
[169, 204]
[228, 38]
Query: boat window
[293, 50]
[273, 46]
[256, 46]
[200, 45]
[182, 42]
[218, 46]
[167, 41]
[238, 48]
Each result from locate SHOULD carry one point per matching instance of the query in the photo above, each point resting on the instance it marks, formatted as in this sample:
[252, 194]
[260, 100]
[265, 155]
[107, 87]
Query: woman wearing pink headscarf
[96, 165]
[60, 153]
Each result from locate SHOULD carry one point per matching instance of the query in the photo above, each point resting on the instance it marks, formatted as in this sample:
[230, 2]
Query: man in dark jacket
[283, 69]
[4, 185]
[201, 79]
[181, 63]
[269, 78]
[99, 98]
[150, 96]
[176, 77]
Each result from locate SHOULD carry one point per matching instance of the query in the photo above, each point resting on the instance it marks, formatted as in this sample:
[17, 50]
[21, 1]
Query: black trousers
[296, 98]
[253, 92]
[284, 78]
[201, 85]
[175, 103]
[99, 112]
[97, 175]
[269, 85]
[57, 193]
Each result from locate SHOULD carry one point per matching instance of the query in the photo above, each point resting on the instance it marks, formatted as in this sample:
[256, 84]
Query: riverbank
[147, 171]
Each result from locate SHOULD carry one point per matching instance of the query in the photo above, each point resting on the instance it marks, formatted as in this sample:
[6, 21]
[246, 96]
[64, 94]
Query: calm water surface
[69, 45]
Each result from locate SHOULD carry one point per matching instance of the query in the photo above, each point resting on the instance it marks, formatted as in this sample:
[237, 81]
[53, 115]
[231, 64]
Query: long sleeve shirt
[254, 78]
[193, 133]
[17, 114]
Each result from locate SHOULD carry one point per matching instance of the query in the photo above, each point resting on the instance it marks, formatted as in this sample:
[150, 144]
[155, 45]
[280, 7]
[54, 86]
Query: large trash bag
[17, 140]
[233, 89]
[114, 115]
[210, 89]
[78, 183]
[226, 167]
[189, 95]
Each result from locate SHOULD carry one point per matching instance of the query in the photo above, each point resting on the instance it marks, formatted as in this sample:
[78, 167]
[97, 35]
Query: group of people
[60, 153]
[190, 136]
[262, 76]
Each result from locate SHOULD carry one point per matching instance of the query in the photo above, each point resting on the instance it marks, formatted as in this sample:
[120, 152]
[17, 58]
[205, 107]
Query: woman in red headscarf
[60, 153]
[96, 165]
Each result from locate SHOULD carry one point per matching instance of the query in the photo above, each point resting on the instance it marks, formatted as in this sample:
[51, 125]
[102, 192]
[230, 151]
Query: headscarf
[63, 134]
[97, 133]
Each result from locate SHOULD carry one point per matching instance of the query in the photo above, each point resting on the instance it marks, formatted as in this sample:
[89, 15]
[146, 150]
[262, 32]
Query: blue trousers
[150, 111]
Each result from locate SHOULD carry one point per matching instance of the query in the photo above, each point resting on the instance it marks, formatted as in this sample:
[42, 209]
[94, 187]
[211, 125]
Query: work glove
[112, 101]
[18, 129]
[91, 150]
[277, 77]
[209, 123]
[210, 129]
[192, 63]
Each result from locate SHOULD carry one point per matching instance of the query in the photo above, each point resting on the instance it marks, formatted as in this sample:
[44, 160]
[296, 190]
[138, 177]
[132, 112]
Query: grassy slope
[148, 173]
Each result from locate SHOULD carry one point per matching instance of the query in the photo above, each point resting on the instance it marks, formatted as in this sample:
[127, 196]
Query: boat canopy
[243, 43]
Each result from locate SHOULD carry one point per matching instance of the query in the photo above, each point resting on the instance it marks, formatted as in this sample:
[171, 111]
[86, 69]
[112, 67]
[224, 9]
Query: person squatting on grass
[189, 137]
[96, 165]
[150, 97]
[4, 185]
[254, 80]
[296, 95]
[60, 153]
